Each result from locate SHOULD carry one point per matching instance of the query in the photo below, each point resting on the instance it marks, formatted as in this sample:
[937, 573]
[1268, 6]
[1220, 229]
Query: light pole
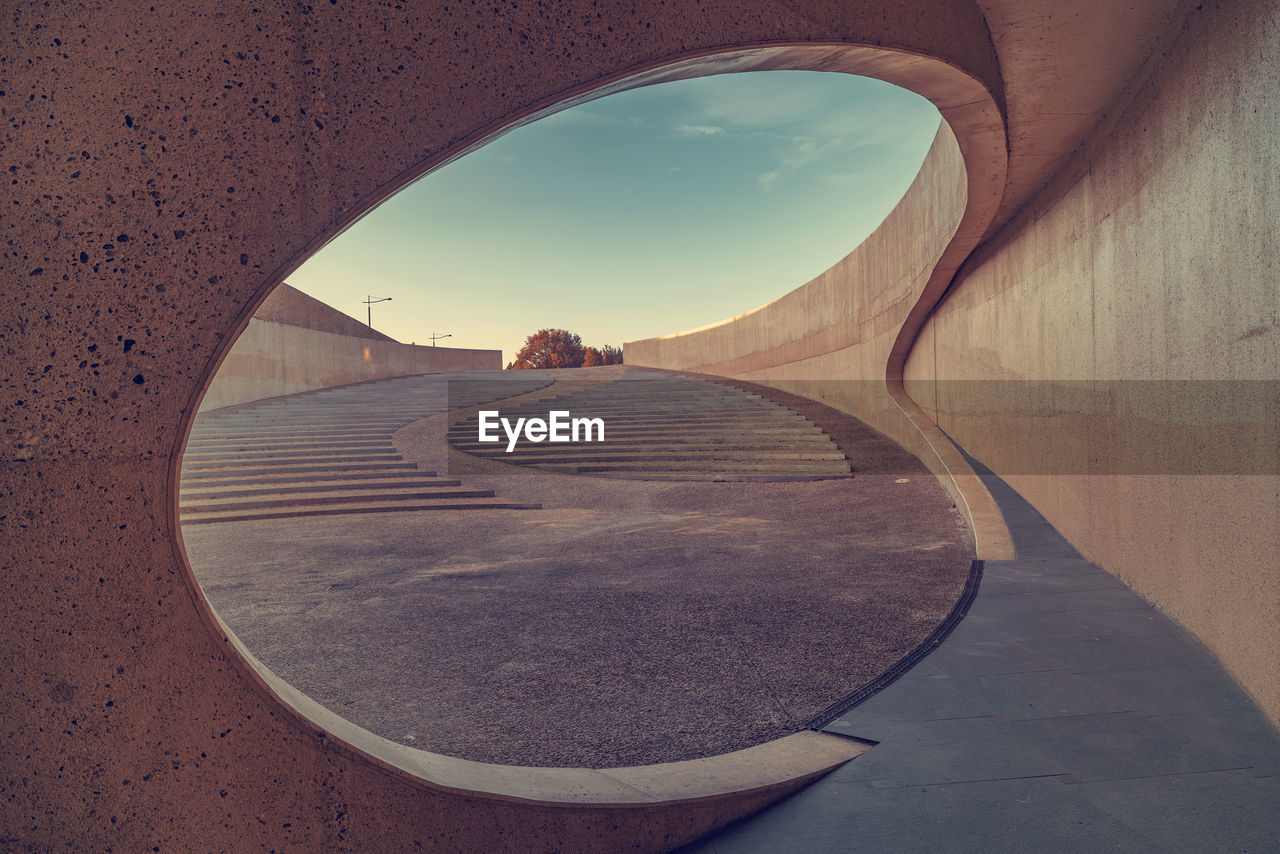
[434, 337]
[369, 302]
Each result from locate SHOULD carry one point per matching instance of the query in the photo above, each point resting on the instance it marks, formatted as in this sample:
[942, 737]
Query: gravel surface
[628, 622]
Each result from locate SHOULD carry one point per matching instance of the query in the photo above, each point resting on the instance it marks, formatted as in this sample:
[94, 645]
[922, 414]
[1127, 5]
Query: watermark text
[559, 426]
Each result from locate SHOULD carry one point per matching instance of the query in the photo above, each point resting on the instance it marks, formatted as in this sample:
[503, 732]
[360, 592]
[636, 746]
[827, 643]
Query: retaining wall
[296, 343]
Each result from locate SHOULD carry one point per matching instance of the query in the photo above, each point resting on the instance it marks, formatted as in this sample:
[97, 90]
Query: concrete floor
[627, 622]
[1063, 714]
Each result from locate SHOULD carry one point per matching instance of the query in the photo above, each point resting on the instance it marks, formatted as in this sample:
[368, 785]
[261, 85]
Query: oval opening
[542, 611]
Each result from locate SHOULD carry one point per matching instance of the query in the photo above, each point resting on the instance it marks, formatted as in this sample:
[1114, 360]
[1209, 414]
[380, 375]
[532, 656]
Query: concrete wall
[296, 343]
[1154, 254]
[1154, 257]
[167, 166]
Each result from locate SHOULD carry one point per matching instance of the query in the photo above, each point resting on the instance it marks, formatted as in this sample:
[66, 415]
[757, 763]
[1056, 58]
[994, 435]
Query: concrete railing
[296, 343]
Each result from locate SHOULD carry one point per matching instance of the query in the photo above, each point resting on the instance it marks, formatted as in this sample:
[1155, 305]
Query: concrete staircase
[667, 426]
[330, 452]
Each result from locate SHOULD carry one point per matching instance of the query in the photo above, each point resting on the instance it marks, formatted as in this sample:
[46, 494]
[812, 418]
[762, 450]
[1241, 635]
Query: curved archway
[968, 108]
[219, 708]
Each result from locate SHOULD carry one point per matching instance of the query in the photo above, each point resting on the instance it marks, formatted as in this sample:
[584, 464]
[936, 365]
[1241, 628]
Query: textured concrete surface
[1064, 714]
[295, 343]
[166, 169]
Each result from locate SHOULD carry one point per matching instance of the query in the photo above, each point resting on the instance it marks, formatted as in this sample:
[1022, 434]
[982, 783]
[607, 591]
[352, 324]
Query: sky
[640, 214]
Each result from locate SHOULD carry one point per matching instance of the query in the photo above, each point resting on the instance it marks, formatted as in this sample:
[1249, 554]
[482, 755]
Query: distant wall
[296, 343]
[290, 306]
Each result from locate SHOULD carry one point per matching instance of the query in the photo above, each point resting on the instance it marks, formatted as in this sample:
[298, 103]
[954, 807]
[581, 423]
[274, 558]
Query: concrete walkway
[1063, 714]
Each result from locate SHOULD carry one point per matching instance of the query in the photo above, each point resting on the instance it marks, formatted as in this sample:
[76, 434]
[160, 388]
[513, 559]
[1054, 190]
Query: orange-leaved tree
[550, 348]
[560, 348]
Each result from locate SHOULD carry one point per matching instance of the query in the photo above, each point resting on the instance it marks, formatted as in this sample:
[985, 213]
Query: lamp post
[434, 337]
[369, 302]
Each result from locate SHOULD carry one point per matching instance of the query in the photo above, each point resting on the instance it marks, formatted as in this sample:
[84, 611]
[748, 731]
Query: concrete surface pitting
[657, 425]
[1063, 714]
[171, 166]
[628, 622]
[328, 453]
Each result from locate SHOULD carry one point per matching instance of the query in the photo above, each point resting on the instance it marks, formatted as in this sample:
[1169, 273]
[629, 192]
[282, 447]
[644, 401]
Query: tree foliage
[560, 348]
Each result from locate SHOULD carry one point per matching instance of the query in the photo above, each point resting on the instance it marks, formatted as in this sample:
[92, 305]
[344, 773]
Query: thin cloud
[767, 179]
[698, 130]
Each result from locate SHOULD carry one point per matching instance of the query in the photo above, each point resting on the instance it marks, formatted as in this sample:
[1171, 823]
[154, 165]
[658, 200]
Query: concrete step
[660, 426]
[661, 434]
[649, 415]
[715, 477]
[343, 498]
[540, 457]
[284, 432]
[232, 470]
[301, 488]
[274, 446]
[672, 445]
[241, 460]
[798, 466]
[252, 515]
[306, 477]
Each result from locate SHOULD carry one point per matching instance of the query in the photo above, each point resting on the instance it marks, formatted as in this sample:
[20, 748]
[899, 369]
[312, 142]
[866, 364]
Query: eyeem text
[560, 426]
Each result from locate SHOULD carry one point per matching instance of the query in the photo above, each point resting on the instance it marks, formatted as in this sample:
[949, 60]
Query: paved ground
[626, 622]
[1064, 714]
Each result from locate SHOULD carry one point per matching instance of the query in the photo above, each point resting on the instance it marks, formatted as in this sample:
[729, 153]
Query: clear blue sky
[640, 214]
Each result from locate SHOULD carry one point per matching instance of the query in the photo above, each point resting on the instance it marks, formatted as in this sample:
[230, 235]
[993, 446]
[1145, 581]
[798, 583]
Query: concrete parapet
[296, 343]
[273, 359]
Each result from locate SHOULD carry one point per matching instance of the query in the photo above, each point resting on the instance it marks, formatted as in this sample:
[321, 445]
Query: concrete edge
[745, 778]
[726, 787]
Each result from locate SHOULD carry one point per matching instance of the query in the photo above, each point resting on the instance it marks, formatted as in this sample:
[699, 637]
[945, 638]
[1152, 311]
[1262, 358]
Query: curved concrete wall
[167, 167]
[831, 338]
[296, 343]
[1152, 255]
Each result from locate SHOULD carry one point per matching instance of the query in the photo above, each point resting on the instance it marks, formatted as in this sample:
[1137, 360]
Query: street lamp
[434, 337]
[369, 302]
